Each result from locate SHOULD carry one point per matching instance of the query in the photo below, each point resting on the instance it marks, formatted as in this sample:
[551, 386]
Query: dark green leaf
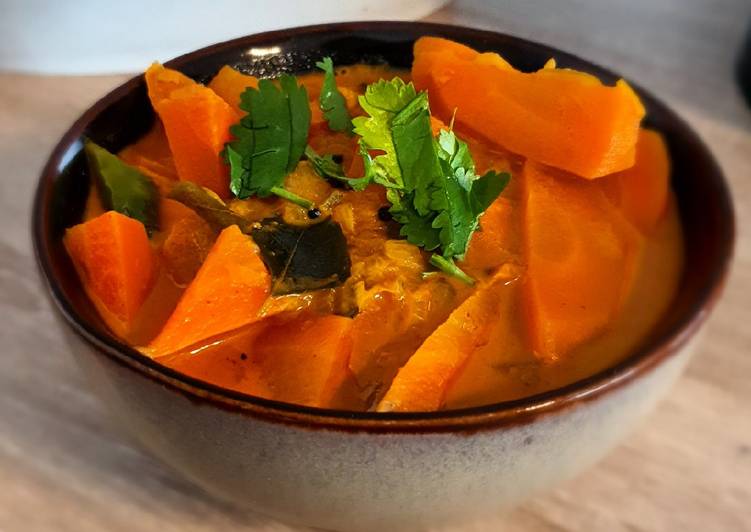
[331, 101]
[415, 152]
[487, 188]
[270, 138]
[416, 228]
[326, 167]
[460, 197]
[303, 258]
[123, 188]
[383, 100]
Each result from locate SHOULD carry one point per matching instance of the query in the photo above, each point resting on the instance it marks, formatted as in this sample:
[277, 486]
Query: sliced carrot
[378, 323]
[642, 191]
[437, 45]
[115, 262]
[226, 293]
[287, 357]
[559, 117]
[151, 154]
[421, 384]
[187, 240]
[303, 361]
[224, 362]
[230, 84]
[197, 123]
[496, 242]
[581, 259]
[389, 328]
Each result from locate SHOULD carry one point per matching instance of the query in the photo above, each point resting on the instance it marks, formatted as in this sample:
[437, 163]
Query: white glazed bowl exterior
[349, 480]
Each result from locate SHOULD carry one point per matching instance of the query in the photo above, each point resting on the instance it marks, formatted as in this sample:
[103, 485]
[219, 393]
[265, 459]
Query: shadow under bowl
[351, 470]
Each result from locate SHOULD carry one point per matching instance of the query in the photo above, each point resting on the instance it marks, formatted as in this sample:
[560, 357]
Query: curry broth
[394, 307]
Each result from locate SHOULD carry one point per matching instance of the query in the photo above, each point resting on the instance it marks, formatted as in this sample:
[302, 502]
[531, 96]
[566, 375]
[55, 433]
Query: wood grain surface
[64, 465]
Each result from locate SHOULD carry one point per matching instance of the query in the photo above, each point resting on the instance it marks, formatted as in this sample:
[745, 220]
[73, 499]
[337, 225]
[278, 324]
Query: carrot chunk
[581, 257]
[152, 156]
[230, 84]
[223, 362]
[641, 192]
[196, 122]
[421, 384]
[287, 357]
[226, 293]
[303, 361]
[114, 260]
[496, 242]
[559, 117]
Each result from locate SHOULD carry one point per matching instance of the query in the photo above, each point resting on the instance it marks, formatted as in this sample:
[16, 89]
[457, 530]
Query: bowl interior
[125, 114]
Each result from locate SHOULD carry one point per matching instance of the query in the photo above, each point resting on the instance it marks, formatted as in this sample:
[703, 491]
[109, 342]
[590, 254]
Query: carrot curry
[361, 238]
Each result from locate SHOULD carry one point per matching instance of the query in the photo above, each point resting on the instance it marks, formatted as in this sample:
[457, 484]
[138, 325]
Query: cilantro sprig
[331, 101]
[269, 139]
[432, 184]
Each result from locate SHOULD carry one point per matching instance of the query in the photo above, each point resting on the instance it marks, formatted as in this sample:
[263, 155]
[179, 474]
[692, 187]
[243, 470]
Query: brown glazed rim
[467, 420]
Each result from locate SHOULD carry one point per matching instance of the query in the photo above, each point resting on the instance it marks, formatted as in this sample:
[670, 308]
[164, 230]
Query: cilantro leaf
[415, 152]
[331, 101]
[416, 228]
[383, 100]
[269, 139]
[461, 197]
[122, 187]
[326, 167]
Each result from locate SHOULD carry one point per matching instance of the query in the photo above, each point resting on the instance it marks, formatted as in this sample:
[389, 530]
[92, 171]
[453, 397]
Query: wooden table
[64, 466]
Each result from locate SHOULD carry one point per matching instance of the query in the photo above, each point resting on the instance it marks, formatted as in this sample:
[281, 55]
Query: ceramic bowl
[375, 471]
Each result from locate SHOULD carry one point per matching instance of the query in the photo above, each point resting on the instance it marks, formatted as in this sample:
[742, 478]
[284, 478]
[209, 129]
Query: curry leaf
[122, 187]
[208, 206]
[303, 258]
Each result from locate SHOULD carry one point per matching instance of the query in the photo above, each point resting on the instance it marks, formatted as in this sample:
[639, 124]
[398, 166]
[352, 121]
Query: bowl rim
[464, 420]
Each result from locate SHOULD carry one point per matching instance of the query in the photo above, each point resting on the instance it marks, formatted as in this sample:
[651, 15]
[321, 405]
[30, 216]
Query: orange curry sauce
[518, 331]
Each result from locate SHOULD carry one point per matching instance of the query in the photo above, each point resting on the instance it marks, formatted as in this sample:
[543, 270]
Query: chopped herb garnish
[331, 101]
[433, 189]
[328, 168]
[431, 184]
[461, 196]
[382, 100]
[122, 187]
[269, 140]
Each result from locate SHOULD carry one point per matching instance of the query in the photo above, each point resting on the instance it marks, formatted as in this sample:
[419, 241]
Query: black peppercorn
[384, 215]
